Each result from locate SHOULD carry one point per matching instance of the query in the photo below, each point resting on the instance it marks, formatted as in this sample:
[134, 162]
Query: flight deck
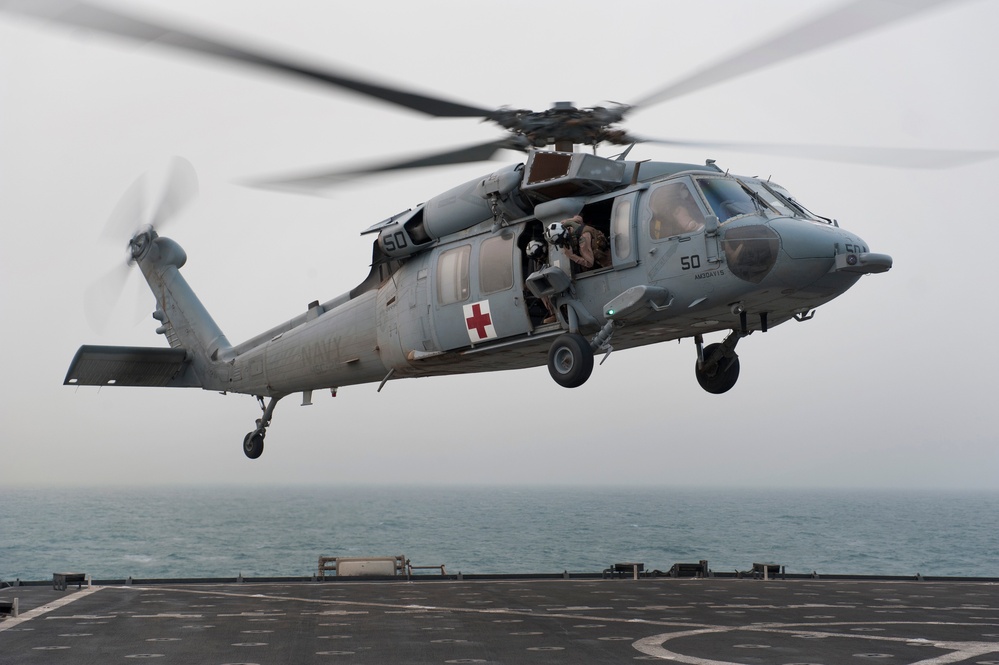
[506, 619]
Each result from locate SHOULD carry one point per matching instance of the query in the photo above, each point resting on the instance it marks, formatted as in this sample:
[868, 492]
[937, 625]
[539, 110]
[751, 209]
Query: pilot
[673, 212]
[685, 222]
[588, 247]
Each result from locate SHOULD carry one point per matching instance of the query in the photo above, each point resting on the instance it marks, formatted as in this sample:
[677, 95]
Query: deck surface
[508, 621]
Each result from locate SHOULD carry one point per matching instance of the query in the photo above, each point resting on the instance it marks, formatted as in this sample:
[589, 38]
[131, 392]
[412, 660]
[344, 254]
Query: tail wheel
[570, 360]
[253, 444]
[717, 377]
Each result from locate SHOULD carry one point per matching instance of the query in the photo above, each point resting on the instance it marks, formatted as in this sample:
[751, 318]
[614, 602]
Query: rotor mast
[564, 144]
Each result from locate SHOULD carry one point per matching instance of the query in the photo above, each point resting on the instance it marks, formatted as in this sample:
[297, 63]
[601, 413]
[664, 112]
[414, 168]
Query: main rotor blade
[312, 181]
[83, 15]
[911, 158]
[841, 23]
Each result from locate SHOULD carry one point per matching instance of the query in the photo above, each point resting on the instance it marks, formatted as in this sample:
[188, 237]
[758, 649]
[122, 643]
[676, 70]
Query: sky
[889, 386]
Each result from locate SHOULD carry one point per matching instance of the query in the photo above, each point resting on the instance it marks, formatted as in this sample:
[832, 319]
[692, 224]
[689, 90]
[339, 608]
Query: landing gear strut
[253, 442]
[717, 367]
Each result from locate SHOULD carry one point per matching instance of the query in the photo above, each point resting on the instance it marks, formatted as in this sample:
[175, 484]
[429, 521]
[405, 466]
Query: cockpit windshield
[777, 203]
[779, 199]
[727, 198]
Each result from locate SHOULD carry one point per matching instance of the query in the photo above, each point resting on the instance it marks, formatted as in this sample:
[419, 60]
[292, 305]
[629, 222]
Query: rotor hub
[563, 123]
[140, 243]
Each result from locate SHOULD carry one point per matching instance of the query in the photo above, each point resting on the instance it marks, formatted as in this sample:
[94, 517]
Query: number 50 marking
[688, 262]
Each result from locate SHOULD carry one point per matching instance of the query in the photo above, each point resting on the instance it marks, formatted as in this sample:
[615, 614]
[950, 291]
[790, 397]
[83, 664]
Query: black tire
[253, 444]
[570, 360]
[724, 377]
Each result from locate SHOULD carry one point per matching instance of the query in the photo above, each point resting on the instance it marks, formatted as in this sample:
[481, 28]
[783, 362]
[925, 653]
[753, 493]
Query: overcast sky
[891, 385]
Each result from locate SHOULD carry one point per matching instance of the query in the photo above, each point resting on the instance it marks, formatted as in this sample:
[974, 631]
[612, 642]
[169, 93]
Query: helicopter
[468, 280]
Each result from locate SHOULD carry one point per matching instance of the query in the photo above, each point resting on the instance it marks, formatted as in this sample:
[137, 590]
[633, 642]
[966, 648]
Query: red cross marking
[478, 321]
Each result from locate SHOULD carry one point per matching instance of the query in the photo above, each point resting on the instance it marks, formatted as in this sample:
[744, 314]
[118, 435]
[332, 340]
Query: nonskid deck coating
[516, 621]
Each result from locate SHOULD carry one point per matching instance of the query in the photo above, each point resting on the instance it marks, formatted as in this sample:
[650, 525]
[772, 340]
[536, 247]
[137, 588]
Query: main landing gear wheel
[253, 444]
[717, 376]
[570, 360]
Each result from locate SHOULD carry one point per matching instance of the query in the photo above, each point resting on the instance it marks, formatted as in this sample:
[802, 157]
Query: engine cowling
[455, 210]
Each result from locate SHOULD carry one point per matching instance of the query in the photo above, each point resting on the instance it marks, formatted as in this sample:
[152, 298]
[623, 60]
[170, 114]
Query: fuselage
[741, 254]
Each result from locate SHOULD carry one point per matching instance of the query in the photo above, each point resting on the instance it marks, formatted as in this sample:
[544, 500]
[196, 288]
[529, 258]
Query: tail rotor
[133, 218]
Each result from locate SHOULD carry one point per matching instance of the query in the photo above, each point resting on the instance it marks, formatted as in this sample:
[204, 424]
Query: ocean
[114, 533]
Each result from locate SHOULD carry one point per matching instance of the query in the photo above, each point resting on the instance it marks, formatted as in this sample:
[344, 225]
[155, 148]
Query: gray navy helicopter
[551, 261]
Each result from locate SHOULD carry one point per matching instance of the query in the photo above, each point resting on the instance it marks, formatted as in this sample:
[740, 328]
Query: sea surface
[227, 531]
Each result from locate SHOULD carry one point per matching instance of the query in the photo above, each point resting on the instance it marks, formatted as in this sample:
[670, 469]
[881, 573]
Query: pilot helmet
[555, 233]
[536, 249]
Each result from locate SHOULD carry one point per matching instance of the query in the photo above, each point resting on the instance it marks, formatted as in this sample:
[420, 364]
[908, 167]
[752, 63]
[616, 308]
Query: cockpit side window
[727, 198]
[674, 211]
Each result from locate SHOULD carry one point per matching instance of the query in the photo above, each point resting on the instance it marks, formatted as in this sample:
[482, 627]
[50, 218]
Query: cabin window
[727, 198]
[674, 211]
[452, 275]
[496, 264]
[621, 227]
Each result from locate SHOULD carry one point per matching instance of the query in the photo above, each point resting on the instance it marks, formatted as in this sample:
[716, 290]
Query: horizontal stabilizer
[130, 366]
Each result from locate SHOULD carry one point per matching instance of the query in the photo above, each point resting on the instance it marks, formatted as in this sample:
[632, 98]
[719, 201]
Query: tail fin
[185, 321]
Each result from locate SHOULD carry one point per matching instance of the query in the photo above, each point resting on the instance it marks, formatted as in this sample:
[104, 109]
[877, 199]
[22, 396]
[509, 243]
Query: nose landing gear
[717, 367]
[253, 442]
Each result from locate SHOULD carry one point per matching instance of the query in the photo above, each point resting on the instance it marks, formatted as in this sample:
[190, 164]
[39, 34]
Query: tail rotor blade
[128, 214]
[180, 189]
[101, 298]
[139, 304]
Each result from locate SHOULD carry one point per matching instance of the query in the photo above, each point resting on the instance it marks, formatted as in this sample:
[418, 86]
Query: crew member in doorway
[588, 247]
